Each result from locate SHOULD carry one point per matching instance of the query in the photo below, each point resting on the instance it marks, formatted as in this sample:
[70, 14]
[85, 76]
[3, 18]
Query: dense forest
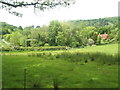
[74, 33]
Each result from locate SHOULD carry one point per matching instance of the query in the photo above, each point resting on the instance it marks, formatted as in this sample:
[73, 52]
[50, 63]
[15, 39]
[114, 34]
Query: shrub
[90, 42]
[46, 44]
[42, 48]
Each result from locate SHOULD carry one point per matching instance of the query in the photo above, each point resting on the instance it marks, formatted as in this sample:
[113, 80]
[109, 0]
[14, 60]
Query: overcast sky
[82, 9]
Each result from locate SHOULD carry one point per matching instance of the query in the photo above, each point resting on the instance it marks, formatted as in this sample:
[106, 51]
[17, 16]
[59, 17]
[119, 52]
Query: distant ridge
[96, 22]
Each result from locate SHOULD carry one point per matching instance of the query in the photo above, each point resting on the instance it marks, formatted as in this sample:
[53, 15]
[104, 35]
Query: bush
[90, 42]
[6, 49]
[46, 44]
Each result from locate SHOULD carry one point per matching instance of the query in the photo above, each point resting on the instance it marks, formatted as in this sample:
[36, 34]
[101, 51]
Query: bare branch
[33, 4]
[47, 4]
[19, 5]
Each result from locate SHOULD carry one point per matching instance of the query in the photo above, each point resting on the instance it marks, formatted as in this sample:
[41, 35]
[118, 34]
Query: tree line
[76, 33]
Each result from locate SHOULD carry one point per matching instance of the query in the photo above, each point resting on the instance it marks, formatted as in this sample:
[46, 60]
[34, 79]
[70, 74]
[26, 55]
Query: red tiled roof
[104, 36]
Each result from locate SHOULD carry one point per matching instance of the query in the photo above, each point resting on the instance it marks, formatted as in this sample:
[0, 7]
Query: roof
[104, 36]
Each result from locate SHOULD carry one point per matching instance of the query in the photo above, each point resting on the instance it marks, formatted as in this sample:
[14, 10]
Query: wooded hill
[97, 22]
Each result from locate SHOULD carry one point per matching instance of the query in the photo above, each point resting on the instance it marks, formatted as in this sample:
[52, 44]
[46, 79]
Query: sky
[82, 9]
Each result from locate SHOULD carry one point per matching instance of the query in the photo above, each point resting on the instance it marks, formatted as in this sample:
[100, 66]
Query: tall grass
[100, 58]
[76, 57]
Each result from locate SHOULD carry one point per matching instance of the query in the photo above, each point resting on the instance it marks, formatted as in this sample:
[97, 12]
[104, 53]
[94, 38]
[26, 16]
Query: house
[104, 36]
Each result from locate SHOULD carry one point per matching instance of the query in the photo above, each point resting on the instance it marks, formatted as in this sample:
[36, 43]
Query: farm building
[104, 36]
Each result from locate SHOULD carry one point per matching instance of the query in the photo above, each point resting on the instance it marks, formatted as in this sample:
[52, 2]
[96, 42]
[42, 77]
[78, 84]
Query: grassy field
[108, 49]
[70, 69]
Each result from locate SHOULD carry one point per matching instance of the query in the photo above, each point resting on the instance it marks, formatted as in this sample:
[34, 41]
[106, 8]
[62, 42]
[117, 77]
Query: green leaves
[54, 28]
[58, 34]
[17, 39]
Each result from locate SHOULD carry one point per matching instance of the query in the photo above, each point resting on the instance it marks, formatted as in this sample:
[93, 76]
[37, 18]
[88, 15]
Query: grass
[62, 69]
[109, 49]
[42, 71]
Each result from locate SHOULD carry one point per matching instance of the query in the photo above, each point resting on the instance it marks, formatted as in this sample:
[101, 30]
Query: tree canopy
[62, 33]
[37, 4]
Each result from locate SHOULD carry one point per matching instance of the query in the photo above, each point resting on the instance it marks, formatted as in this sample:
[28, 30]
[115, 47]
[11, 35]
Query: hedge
[42, 48]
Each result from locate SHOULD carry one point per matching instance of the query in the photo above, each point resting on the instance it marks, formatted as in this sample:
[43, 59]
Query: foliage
[98, 40]
[7, 28]
[54, 28]
[36, 4]
[72, 33]
[42, 48]
[107, 49]
[90, 42]
[97, 22]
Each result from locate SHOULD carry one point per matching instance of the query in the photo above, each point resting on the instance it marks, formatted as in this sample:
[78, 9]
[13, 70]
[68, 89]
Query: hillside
[97, 22]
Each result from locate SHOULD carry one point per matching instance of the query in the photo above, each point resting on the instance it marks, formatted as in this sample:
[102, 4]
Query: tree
[7, 28]
[15, 38]
[54, 28]
[37, 4]
[84, 34]
[22, 40]
[81, 25]
[20, 27]
[7, 37]
[60, 39]
[34, 36]
[98, 40]
[79, 37]
[94, 36]
[68, 31]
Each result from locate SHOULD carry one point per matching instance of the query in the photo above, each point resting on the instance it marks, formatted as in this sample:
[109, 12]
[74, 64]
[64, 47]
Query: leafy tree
[105, 29]
[62, 33]
[85, 34]
[44, 34]
[81, 25]
[79, 37]
[54, 28]
[34, 37]
[20, 27]
[34, 43]
[39, 36]
[98, 40]
[113, 33]
[34, 34]
[7, 28]
[15, 38]
[22, 41]
[60, 39]
[7, 37]
[94, 36]
[29, 27]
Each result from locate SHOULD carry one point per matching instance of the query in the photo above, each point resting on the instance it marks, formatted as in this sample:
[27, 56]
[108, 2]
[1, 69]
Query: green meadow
[89, 67]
